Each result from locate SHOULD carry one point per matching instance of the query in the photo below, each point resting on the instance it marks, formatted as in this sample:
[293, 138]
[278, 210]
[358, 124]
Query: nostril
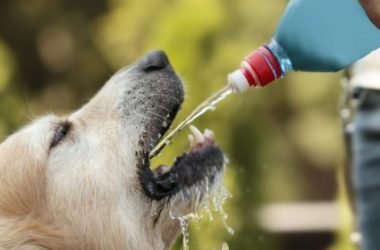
[154, 60]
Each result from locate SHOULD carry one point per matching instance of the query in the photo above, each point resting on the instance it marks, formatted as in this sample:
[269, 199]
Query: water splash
[184, 223]
[207, 105]
[218, 201]
[213, 200]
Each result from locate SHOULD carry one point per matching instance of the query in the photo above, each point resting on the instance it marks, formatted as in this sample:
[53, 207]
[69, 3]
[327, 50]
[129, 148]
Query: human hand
[372, 7]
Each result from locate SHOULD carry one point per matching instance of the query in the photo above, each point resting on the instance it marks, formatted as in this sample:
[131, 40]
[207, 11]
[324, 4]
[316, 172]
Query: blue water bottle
[313, 35]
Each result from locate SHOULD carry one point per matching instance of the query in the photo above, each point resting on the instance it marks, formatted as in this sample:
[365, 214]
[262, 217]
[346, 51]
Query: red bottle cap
[258, 69]
[261, 67]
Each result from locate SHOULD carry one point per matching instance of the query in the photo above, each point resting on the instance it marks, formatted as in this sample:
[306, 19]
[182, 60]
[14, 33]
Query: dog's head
[88, 174]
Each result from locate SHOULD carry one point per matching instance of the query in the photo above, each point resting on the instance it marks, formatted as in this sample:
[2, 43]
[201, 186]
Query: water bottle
[313, 35]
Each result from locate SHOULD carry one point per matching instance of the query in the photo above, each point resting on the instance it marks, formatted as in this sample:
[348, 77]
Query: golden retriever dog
[83, 181]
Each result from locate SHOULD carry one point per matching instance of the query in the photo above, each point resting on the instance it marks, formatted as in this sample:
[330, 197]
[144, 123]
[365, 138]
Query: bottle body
[313, 35]
[326, 35]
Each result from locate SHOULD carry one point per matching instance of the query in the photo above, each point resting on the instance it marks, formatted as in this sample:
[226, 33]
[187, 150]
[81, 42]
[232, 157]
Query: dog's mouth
[202, 163]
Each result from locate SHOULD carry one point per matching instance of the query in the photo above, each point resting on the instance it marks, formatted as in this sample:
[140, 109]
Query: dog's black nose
[154, 60]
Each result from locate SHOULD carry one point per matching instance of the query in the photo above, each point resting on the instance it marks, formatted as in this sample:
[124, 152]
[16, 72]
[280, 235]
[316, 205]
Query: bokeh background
[284, 141]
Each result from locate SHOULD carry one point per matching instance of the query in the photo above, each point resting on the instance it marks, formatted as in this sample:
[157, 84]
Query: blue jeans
[366, 167]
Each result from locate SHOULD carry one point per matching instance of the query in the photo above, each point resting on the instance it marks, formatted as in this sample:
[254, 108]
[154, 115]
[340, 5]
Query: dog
[84, 181]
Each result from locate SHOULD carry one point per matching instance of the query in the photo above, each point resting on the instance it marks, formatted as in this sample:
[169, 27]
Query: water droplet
[211, 108]
[225, 246]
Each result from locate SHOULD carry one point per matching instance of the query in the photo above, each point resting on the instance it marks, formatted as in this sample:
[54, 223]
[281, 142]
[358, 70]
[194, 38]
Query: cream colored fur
[84, 193]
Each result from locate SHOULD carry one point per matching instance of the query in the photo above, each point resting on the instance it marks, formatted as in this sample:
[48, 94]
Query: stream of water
[206, 105]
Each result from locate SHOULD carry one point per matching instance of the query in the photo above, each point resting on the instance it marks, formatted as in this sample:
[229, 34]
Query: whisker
[164, 95]
[164, 108]
[156, 115]
[146, 117]
[31, 116]
[141, 115]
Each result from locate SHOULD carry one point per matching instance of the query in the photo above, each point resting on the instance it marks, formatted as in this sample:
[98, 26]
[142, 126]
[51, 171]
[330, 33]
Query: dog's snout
[154, 60]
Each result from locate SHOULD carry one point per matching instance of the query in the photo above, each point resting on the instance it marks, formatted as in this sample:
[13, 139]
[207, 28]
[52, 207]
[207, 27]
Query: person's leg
[366, 162]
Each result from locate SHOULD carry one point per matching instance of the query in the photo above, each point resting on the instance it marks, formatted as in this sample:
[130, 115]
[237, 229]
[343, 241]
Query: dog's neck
[28, 233]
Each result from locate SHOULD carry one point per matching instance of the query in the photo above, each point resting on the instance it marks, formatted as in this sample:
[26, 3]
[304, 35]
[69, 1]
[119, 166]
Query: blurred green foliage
[283, 141]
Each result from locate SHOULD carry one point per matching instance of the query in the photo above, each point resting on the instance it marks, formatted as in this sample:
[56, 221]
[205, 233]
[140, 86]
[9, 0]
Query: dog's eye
[60, 133]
